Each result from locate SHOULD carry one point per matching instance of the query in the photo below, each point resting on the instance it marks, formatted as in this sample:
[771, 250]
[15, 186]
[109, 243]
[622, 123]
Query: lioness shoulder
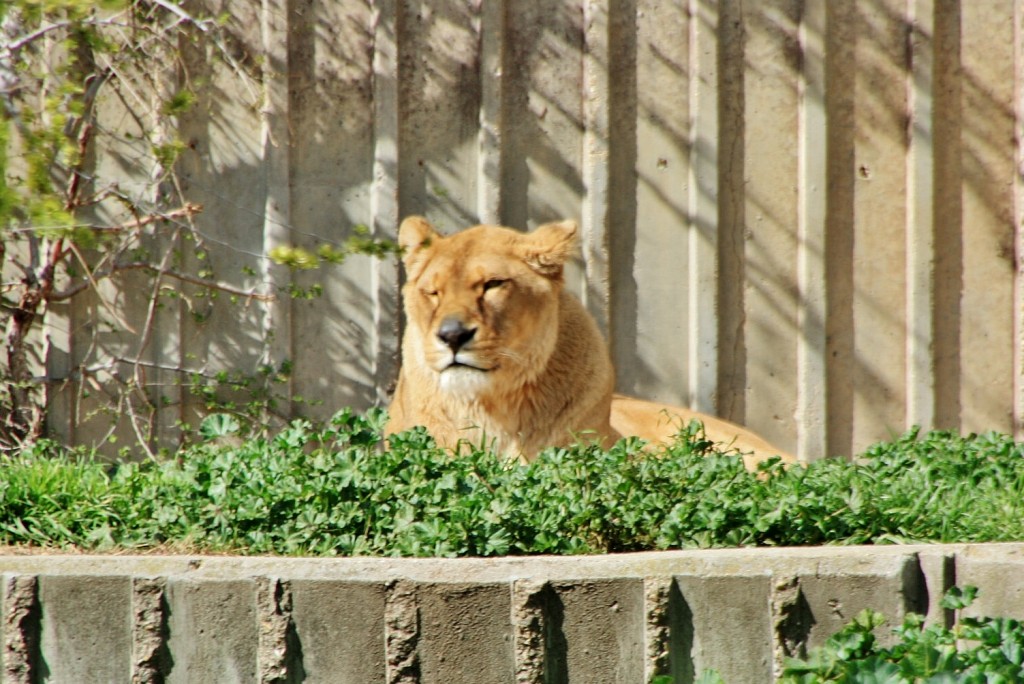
[496, 351]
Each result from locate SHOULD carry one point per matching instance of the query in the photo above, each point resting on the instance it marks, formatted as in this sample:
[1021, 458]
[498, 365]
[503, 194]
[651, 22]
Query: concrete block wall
[619, 618]
[803, 216]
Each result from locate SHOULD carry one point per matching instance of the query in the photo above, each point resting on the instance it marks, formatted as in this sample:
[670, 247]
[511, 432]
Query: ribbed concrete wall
[802, 215]
[587, 620]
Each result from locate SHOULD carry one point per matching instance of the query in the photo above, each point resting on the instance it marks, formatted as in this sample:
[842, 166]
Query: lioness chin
[495, 350]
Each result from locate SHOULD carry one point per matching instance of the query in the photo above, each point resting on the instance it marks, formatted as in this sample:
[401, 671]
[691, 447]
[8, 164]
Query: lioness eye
[493, 283]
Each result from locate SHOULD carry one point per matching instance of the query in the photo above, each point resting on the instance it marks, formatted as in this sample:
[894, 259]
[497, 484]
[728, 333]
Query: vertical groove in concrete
[276, 145]
[939, 571]
[490, 21]
[920, 216]
[811, 224]
[948, 211]
[401, 633]
[703, 266]
[596, 161]
[914, 587]
[528, 630]
[21, 629]
[515, 114]
[150, 656]
[278, 657]
[623, 181]
[791, 622]
[732, 215]
[386, 27]
[841, 39]
[657, 627]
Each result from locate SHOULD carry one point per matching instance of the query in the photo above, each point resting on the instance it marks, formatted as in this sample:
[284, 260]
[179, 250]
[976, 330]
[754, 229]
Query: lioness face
[482, 305]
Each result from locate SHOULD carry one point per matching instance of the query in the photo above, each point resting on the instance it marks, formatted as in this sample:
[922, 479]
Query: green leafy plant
[361, 241]
[339, 489]
[249, 400]
[985, 649]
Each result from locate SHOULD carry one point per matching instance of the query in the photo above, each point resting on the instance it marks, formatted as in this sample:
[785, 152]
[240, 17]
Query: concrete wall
[800, 215]
[546, 620]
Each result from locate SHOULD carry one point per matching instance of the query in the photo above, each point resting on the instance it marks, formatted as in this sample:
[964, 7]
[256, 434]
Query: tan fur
[535, 371]
[659, 423]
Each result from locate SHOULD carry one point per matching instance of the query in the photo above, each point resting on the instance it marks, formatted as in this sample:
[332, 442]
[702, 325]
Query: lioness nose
[454, 333]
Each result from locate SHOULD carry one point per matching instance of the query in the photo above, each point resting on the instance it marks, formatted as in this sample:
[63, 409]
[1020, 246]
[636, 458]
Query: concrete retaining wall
[621, 618]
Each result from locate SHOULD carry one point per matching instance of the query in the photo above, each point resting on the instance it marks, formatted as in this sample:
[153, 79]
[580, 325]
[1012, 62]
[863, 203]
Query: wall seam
[812, 163]
[489, 18]
[21, 629]
[385, 28]
[920, 380]
[595, 162]
[702, 201]
[151, 661]
[276, 146]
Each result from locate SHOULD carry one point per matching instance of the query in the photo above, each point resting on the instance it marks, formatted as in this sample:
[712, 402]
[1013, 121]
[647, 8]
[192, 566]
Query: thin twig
[147, 328]
[91, 281]
[174, 9]
[184, 277]
[16, 45]
[140, 437]
[190, 209]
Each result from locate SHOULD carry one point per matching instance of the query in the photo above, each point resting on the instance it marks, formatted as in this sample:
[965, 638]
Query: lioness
[496, 351]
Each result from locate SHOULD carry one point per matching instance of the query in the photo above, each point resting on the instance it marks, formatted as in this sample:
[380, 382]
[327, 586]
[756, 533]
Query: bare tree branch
[174, 9]
[48, 98]
[17, 44]
[177, 275]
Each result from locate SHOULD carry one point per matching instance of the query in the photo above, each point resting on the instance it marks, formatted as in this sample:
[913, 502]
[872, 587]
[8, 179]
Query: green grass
[332, 490]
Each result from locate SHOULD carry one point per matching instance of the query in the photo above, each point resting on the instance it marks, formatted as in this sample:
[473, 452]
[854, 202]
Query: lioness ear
[414, 235]
[548, 248]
